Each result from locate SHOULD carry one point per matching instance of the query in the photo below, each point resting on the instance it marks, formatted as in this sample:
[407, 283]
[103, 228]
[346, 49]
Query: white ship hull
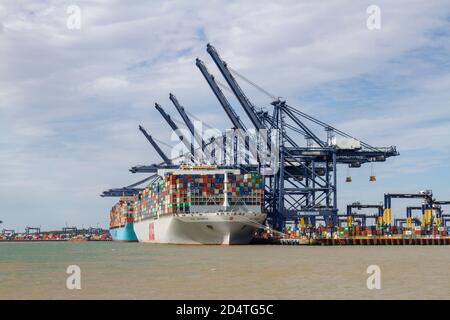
[200, 228]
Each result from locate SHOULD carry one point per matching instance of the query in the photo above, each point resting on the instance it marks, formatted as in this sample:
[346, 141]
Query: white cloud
[109, 85]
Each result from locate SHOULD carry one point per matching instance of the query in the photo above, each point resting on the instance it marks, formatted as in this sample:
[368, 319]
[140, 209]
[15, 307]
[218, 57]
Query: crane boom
[232, 115]
[130, 190]
[175, 128]
[235, 120]
[121, 192]
[155, 145]
[359, 206]
[308, 132]
[183, 114]
[186, 120]
[441, 203]
[242, 98]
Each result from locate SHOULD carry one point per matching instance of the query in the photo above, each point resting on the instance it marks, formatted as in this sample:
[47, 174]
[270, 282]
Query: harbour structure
[64, 234]
[443, 219]
[302, 183]
[70, 230]
[427, 208]
[351, 215]
[405, 222]
[32, 230]
[8, 232]
[431, 212]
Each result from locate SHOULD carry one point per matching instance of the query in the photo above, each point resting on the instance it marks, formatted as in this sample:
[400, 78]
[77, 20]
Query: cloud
[71, 100]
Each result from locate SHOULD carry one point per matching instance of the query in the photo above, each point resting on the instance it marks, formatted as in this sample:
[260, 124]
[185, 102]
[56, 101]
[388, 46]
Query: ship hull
[123, 234]
[205, 228]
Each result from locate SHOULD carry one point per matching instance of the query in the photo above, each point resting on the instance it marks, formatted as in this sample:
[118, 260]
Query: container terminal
[299, 197]
[72, 234]
[239, 187]
[295, 156]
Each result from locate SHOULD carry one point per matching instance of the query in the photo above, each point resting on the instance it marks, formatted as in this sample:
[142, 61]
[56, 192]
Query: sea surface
[111, 270]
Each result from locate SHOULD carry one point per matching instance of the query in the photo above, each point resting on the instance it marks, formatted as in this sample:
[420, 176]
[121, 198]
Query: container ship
[121, 220]
[200, 206]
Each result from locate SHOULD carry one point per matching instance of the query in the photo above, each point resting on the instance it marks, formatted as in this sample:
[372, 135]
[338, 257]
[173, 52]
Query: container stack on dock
[56, 236]
[357, 231]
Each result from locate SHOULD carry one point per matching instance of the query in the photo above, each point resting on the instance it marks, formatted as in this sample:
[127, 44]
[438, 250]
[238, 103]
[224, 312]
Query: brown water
[143, 271]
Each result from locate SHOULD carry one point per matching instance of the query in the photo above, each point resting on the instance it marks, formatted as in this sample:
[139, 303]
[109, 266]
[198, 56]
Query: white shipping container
[345, 143]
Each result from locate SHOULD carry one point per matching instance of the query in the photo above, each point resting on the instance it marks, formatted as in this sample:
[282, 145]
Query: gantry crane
[440, 218]
[32, 230]
[427, 206]
[356, 205]
[303, 177]
[70, 230]
[9, 232]
[296, 189]
[408, 222]
[409, 219]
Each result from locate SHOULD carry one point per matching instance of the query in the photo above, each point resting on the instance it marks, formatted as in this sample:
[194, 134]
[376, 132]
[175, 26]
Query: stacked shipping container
[179, 193]
[121, 212]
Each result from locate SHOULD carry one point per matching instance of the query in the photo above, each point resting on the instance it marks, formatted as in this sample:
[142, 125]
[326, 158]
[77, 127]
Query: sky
[71, 99]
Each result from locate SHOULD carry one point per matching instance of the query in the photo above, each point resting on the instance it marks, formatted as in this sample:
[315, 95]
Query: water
[142, 271]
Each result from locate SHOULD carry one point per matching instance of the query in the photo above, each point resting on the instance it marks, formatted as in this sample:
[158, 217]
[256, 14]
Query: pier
[383, 241]
[65, 234]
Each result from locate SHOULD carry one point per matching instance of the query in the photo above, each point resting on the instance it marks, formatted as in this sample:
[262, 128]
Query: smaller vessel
[121, 221]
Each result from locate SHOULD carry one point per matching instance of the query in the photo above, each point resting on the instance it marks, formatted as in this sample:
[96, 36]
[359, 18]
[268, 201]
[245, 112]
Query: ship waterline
[123, 233]
[200, 228]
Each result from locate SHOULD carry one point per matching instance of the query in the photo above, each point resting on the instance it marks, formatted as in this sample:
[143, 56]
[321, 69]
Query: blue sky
[71, 100]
